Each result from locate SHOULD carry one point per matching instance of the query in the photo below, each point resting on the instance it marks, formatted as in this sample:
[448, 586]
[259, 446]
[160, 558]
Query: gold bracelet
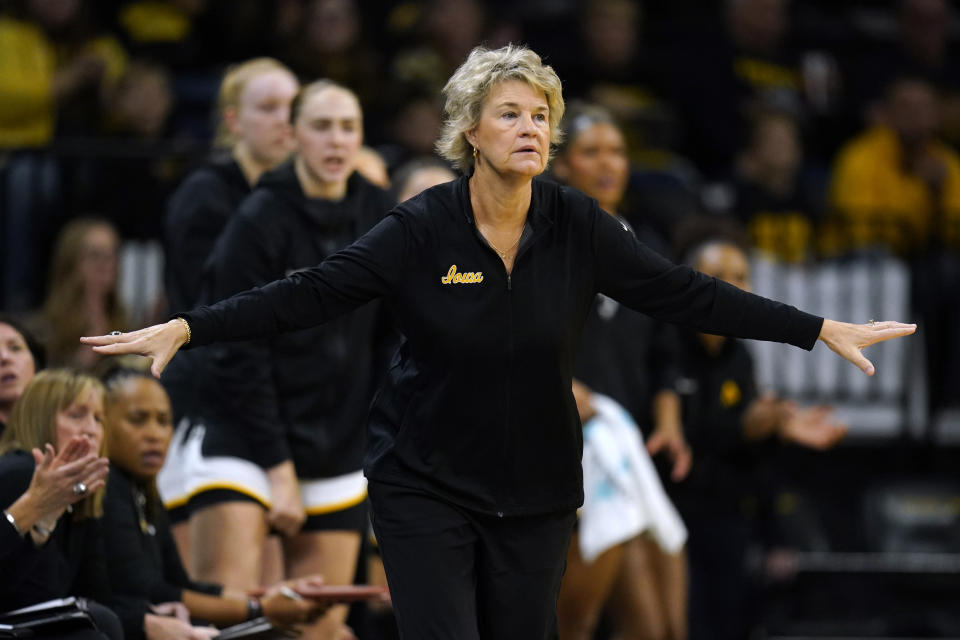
[186, 325]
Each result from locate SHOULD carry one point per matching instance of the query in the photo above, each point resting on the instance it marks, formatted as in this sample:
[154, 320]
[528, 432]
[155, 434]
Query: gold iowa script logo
[470, 277]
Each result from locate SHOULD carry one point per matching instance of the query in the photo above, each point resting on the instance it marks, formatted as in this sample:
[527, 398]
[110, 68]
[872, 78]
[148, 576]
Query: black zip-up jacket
[195, 217]
[300, 396]
[477, 406]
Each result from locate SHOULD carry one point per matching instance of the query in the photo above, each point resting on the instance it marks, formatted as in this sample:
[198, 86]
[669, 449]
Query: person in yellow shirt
[896, 185]
[37, 73]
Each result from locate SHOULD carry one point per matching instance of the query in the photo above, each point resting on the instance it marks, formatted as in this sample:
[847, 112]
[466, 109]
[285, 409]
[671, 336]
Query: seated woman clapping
[52, 475]
[144, 561]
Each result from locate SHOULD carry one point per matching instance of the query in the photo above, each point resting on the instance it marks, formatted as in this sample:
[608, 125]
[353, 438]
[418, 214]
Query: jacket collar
[538, 216]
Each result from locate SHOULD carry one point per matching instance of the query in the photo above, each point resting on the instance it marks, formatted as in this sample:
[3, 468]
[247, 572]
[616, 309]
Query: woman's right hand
[160, 342]
[167, 628]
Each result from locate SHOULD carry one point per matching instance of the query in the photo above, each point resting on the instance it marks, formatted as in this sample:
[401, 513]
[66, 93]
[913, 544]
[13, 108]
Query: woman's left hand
[848, 339]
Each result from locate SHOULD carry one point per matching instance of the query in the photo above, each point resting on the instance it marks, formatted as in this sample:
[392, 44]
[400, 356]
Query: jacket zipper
[507, 378]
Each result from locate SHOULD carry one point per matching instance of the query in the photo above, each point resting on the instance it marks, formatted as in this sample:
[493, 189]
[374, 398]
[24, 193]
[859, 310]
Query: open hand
[160, 342]
[848, 339]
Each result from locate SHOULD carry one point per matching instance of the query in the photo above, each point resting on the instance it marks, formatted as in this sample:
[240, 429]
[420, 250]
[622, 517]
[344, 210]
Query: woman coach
[474, 442]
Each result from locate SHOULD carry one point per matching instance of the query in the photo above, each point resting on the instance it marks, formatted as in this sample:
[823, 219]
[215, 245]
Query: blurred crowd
[721, 133]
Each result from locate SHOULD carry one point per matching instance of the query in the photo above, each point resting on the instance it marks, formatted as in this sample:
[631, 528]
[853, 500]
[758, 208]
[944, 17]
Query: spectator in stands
[47, 60]
[772, 197]
[143, 174]
[896, 186]
[413, 124]
[52, 475]
[82, 295]
[163, 31]
[922, 49]
[330, 43]
[287, 437]
[253, 136]
[53, 69]
[632, 359]
[608, 65]
[21, 356]
[140, 102]
[750, 66]
[731, 429]
[443, 35]
[144, 564]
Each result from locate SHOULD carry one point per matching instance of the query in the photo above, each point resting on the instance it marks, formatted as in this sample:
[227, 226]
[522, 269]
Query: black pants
[455, 574]
[721, 598]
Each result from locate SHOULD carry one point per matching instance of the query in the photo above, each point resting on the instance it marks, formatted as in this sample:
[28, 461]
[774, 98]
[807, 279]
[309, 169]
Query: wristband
[13, 522]
[254, 609]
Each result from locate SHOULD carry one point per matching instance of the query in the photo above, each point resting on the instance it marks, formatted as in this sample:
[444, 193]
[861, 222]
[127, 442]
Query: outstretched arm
[367, 269]
[638, 277]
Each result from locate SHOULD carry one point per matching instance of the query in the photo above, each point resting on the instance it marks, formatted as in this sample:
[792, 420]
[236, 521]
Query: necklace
[503, 254]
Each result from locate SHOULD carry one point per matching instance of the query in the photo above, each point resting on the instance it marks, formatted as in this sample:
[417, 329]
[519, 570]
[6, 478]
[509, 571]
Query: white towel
[623, 496]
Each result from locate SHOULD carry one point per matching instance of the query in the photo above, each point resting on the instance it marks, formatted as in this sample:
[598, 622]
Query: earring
[474, 153]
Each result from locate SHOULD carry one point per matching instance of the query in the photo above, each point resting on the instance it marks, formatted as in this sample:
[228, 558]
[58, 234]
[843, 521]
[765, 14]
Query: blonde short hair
[468, 88]
[33, 422]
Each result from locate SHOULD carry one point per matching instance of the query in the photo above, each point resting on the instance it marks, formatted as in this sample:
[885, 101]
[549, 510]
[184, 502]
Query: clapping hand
[57, 476]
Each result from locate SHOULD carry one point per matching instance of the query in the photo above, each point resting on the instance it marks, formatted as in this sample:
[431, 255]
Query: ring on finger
[80, 489]
[116, 333]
